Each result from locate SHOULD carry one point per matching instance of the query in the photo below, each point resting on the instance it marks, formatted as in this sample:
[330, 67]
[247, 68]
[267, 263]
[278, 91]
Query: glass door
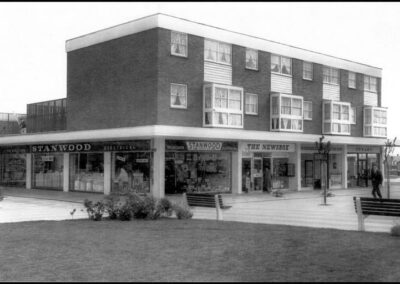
[362, 173]
[246, 175]
[308, 173]
[257, 174]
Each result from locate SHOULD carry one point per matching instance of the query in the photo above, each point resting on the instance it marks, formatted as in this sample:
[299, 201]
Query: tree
[388, 150]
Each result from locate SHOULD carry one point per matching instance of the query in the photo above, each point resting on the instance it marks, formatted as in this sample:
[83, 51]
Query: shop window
[286, 112]
[218, 52]
[307, 70]
[352, 80]
[178, 96]
[281, 64]
[375, 122]
[179, 44]
[87, 172]
[13, 170]
[251, 59]
[330, 75]
[131, 172]
[223, 106]
[48, 170]
[336, 118]
[370, 84]
[251, 106]
[307, 110]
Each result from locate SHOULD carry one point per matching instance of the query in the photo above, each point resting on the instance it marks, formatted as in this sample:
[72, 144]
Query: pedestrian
[376, 180]
[267, 180]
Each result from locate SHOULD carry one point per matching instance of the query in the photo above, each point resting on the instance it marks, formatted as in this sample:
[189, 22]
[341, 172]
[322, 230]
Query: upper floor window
[218, 52]
[307, 70]
[331, 75]
[352, 80]
[251, 59]
[307, 110]
[353, 114]
[179, 44]
[223, 106]
[251, 103]
[178, 96]
[336, 117]
[370, 84]
[375, 122]
[286, 112]
[281, 64]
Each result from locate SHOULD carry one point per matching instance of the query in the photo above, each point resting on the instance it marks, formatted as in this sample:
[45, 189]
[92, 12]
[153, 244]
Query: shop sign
[269, 147]
[142, 160]
[138, 145]
[73, 147]
[47, 158]
[362, 149]
[14, 150]
[313, 148]
[179, 145]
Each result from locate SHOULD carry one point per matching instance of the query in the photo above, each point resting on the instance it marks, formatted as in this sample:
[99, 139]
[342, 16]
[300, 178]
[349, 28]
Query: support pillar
[28, 177]
[66, 172]
[344, 167]
[298, 166]
[107, 173]
[157, 186]
[237, 170]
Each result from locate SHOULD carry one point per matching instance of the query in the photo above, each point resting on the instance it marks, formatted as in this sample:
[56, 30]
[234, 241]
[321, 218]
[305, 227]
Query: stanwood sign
[269, 147]
[61, 148]
[181, 145]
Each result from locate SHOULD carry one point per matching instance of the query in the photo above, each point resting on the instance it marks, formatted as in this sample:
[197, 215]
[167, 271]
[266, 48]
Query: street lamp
[323, 155]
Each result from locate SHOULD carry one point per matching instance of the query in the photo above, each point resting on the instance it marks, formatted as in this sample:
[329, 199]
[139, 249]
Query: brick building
[165, 105]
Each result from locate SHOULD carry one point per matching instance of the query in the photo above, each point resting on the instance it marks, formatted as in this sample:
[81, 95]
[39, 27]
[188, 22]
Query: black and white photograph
[199, 142]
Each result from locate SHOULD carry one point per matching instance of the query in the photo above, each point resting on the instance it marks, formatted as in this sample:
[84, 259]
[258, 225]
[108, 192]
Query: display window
[131, 172]
[280, 178]
[48, 170]
[13, 170]
[87, 172]
[197, 172]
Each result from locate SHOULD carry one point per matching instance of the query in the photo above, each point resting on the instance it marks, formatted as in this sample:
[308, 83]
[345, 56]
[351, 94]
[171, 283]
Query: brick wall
[113, 84]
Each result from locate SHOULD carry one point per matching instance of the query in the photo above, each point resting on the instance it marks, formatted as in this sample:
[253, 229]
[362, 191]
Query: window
[352, 80]
[223, 106]
[251, 106]
[307, 110]
[281, 65]
[336, 118]
[331, 75]
[179, 44]
[353, 114]
[218, 52]
[307, 70]
[369, 84]
[178, 96]
[251, 59]
[375, 122]
[286, 113]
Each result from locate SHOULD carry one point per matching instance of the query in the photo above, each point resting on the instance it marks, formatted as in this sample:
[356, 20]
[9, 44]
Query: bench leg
[219, 211]
[361, 226]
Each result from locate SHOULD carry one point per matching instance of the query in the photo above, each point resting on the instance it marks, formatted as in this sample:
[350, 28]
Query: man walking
[376, 180]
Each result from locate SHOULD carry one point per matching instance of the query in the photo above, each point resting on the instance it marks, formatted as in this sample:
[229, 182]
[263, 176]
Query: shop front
[268, 165]
[359, 164]
[198, 166]
[13, 166]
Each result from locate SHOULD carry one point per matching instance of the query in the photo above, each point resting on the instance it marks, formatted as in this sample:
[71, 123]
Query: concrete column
[66, 173]
[28, 184]
[237, 170]
[157, 186]
[382, 168]
[107, 173]
[298, 166]
[344, 166]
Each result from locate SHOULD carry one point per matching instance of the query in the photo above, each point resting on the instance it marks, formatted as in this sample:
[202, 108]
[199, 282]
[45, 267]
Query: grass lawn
[192, 250]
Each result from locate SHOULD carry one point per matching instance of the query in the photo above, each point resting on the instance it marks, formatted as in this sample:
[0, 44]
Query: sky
[33, 59]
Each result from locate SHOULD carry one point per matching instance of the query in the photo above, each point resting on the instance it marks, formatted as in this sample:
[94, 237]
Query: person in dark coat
[267, 180]
[376, 180]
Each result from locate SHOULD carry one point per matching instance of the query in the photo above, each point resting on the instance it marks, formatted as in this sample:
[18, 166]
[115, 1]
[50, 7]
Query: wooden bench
[210, 200]
[366, 206]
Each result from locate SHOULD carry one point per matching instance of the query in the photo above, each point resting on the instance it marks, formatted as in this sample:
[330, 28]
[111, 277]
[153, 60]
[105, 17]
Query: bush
[94, 210]
[182, 212]
[112, 206]
[165, 206]
[125, 213]
[395, 231]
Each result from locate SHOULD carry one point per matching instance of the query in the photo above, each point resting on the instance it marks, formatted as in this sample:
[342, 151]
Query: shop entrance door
[308, 173]
[362, 177]
[246, 175]
[267, 181]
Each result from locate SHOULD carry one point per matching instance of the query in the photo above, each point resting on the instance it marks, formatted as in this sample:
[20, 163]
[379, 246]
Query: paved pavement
[297, 208]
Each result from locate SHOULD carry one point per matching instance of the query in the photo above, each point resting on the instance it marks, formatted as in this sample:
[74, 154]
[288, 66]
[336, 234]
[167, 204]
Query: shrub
[165, 206]
[182, 212]
[112, 206]
[94, 210]
[395, 231]
[125, 213]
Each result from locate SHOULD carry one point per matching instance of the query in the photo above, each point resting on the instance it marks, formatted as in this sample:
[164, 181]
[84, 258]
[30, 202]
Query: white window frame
[308, 74]
[331, 121]
[176, 106]
[368, 86]
[328, 75]
[351, 80]
[247, 95]
[256, 58]
[219, 44]
[229, 111]
[172, 45]
[353, 115]
[309, 103]
[280, 65]
[373, 125]
[280, 116]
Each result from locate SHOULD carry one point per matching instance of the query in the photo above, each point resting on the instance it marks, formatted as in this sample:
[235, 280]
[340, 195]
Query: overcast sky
[33, 58]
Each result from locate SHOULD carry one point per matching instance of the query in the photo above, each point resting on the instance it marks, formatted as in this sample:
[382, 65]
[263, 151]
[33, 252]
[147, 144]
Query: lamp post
[323, 155]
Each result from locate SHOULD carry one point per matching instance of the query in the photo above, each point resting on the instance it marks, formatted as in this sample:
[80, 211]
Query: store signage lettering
[61, 148]
[362, 149]
[142, 160]
[204, 146]
[186, 145]
[47, 158]
[267, 147]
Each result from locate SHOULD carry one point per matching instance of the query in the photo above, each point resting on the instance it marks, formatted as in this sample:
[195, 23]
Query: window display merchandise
[87, 172]
[48, 170]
